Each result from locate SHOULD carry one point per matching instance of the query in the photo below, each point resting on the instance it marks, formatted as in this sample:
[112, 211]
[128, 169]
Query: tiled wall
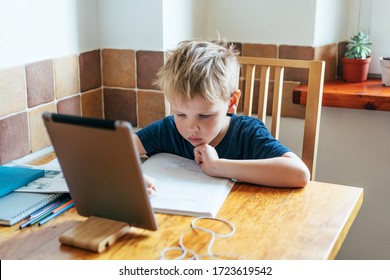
[110, 83]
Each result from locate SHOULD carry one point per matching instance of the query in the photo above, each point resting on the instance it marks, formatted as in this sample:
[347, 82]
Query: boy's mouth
[195, 141]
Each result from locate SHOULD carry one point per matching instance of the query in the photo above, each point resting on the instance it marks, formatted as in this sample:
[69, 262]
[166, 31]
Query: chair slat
[314, 99]
[277, 101]
[263, 94]
[249, 85]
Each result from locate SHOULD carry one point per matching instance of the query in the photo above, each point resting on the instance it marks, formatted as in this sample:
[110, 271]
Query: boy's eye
[181, 115]
[204, 116]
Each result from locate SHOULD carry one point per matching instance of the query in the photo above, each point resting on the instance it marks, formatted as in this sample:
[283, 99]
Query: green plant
[358, 46]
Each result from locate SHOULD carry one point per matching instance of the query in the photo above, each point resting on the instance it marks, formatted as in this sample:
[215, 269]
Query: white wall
[354, 150]
[183, 20]
[131, 24]
[375, 20]
[36, 30]
[270, 22]
[330, 21]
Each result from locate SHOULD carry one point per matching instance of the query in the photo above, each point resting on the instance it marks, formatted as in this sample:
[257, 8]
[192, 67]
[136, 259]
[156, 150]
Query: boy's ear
[233, 103]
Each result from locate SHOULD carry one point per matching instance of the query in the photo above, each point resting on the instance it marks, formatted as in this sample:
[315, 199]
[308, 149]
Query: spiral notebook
[16, 206]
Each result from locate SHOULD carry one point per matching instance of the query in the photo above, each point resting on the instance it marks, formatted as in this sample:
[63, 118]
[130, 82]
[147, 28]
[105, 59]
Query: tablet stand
[95, 234]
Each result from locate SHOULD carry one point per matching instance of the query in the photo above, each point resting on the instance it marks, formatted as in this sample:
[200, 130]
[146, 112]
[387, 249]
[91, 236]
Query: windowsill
[369, 95]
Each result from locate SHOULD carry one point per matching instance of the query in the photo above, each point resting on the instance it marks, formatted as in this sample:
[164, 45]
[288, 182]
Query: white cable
[196, 256]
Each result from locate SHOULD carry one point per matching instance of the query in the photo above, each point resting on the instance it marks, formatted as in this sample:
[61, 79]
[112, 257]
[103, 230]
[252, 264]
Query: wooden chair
[315, 80]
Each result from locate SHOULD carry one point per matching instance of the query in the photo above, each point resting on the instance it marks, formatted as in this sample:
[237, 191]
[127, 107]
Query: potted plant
[356, 59]
[385, 64]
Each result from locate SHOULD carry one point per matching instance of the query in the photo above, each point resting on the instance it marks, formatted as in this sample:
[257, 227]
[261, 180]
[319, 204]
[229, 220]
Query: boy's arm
[140, 147]
[285, 171]
[150, 182]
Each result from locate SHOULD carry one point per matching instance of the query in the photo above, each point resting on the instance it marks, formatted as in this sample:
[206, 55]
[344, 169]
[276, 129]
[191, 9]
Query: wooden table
[271, 223]
[369, 95]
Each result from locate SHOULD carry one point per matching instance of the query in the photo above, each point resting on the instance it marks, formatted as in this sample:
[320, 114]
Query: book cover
[183, 188]
[13, 177]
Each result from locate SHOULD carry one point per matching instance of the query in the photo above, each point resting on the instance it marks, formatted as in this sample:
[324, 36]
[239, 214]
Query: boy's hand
[205, 156]
[150, 185]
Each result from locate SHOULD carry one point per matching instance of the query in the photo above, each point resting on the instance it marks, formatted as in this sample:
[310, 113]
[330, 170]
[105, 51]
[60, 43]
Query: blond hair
[200, 68]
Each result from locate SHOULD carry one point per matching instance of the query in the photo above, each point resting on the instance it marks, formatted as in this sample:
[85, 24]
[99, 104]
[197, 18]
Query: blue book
[14, 177]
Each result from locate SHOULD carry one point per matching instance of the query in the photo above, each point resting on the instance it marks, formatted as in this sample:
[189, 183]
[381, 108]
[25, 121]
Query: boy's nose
[192, 126]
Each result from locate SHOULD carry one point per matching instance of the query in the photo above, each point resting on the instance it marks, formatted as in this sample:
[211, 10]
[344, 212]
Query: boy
[199, 81]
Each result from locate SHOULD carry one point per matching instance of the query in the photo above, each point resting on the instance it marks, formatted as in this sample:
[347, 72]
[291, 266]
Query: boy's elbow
[302, 177]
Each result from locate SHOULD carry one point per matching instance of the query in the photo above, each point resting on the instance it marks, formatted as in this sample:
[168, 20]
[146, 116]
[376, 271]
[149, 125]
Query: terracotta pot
[355, 70]
[385, 63]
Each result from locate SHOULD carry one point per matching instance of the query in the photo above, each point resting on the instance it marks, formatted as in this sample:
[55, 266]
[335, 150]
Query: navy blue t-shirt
[246, 138]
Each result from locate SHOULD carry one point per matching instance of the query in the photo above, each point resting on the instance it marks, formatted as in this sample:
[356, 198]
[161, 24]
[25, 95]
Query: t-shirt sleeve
[265, 145]
[152, 137]
[248, 138]
[162, 137]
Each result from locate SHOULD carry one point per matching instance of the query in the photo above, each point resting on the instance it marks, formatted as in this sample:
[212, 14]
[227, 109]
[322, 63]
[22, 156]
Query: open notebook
[183, 188]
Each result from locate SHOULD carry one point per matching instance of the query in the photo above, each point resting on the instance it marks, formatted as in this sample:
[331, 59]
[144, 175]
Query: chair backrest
[316, 70]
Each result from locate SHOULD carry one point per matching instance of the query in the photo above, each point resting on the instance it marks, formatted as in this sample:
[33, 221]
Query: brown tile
[328, 53]
[12, 91]
[258, 50]
[241, 87]
[14, 142]
[120, 104]
[118, 68]
[69, 106]
[296, 52]
[38, 134]
[40, 83]
[66, 75]
[90, 70]
[92, 104]
[151, 107]
[341, 47]
[288, 108]
[148, 64]
[237, 46]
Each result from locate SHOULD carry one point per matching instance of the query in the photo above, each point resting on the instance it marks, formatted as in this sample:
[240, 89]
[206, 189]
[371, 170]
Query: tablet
[102, 168]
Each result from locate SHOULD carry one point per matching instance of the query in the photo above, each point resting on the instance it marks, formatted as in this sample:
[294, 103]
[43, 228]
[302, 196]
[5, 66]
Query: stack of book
[16, 201]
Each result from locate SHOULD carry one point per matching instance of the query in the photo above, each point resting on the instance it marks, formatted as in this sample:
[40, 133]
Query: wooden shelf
[369, 95]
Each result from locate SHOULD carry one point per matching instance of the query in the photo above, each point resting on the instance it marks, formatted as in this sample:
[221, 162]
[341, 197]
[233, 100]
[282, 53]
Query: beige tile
[14, 141]
[118, 68]
[38, 134]
[12, 91]
[70, 106]
[92, 104]
[150, 107]
[40, 82]
[328, 53]
[66, 76]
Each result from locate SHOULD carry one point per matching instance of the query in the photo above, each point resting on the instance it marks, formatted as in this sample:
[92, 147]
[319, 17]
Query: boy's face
[199, 121]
